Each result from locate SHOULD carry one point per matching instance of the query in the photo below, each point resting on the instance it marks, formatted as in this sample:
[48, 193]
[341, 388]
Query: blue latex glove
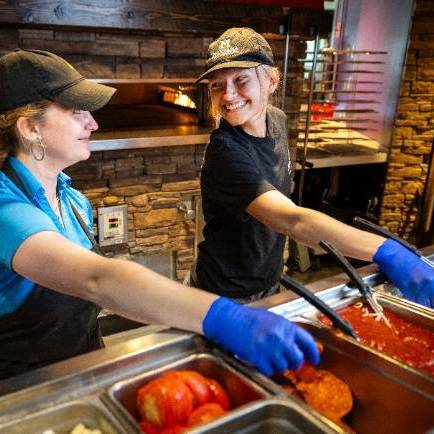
[407, 271]
[267, 341]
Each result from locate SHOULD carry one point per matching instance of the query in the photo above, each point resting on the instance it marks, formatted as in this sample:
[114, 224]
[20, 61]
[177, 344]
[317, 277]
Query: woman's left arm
[407, 271]
[310, 227]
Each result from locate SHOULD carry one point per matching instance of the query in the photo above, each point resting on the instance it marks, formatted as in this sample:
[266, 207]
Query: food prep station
[99, 389]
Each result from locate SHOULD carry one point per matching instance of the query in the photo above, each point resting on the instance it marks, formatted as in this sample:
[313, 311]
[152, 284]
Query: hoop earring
[37, 149]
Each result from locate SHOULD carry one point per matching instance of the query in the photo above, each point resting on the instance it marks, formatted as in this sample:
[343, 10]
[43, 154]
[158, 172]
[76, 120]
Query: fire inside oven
[153, 105]
[177, 98]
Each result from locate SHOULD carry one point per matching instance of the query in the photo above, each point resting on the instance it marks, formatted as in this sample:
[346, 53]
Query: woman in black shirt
[245, 182]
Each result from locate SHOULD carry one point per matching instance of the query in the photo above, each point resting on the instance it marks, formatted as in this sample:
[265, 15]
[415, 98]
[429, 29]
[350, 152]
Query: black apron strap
[12, 175]
[194, 280]
[95, 246]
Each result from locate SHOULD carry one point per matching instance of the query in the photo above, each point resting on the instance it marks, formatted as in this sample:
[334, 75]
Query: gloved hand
[407, 271]
[267, 341]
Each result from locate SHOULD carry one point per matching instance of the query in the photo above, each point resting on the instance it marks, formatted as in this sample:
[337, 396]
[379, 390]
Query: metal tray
[266, 417]
[300, 310]
[241, 390]
[109, 378]
[385, 400]
[63, 419]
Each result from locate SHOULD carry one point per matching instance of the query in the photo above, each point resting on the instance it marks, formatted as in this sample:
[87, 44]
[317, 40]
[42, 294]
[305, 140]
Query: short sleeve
[236, 179]
[18, 221]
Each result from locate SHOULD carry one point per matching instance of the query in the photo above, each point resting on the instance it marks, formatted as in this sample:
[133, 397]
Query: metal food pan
[417, 314]
[240, 389]
[63, 418]
[267, 417]
[412, 312]
[300, 310]
[385, 400]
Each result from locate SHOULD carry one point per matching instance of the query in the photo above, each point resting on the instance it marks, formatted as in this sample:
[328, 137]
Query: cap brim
[85, 95]
[227, 65]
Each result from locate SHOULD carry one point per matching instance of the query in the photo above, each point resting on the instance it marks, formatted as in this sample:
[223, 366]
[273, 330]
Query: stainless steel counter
[194, 135]
[99, 389]
[346, 160]
[81, 386]
[150, 138]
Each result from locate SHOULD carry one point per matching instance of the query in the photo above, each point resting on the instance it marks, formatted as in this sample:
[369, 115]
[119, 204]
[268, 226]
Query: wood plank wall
[165, 15]
[197, 16]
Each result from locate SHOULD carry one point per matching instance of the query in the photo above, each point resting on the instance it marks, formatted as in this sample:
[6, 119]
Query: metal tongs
[356, 280]
[338, 322]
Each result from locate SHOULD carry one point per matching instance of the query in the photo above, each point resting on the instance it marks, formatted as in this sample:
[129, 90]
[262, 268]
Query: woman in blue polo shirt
[51, 283]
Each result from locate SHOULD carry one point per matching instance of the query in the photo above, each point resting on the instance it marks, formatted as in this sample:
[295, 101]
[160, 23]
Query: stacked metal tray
[100, 392]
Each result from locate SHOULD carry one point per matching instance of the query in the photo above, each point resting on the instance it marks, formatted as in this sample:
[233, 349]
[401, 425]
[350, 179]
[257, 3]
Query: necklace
[55, 206]
[57, 203]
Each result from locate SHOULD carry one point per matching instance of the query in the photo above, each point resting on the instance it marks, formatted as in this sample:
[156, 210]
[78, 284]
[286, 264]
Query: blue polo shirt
[21, 217]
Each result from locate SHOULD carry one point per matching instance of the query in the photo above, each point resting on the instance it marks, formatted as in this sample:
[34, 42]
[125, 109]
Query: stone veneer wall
[152, 182]
[414, 129]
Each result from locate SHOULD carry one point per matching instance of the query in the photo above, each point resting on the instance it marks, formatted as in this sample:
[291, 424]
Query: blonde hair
[276, 77]
[9, 136]
[272, 72]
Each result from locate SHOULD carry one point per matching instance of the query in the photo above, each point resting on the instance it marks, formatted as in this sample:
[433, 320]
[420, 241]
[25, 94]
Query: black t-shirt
[239, 255]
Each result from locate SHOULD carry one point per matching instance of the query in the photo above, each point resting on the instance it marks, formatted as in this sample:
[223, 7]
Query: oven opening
[144, 106]
[177, 98]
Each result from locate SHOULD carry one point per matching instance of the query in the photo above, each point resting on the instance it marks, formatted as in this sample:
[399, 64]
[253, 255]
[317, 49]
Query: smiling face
[65, 133]
[240, 95]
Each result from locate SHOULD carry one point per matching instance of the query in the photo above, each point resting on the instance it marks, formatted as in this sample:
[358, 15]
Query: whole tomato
[218, 394]
[205, 413]
[196, 383]
[164, 402]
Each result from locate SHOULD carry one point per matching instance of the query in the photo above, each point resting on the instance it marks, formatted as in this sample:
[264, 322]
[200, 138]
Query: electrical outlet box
[186, 206]
[112, 225]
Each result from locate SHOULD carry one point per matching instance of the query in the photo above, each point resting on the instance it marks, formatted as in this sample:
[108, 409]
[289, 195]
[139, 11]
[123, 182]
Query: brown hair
[9, 136]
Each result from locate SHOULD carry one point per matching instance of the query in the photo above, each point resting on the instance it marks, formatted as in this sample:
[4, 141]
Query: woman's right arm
[263, 339]
[124, 287]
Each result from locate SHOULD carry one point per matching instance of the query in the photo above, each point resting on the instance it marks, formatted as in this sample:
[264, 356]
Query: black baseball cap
[28, 76]
[238, 48]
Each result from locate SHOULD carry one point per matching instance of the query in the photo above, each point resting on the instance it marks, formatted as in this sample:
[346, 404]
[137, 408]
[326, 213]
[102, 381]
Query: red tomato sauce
[404, 341]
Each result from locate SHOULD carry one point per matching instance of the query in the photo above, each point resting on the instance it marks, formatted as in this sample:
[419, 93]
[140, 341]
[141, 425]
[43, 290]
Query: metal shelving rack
[349, 84]
[335, 80]
[342, 93]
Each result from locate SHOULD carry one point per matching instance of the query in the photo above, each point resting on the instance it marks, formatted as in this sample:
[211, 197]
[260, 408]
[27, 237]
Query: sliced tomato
[196, 383]
[148, 428]
[165, 402]
[218, 394]
[205, 413]
[174, 429]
